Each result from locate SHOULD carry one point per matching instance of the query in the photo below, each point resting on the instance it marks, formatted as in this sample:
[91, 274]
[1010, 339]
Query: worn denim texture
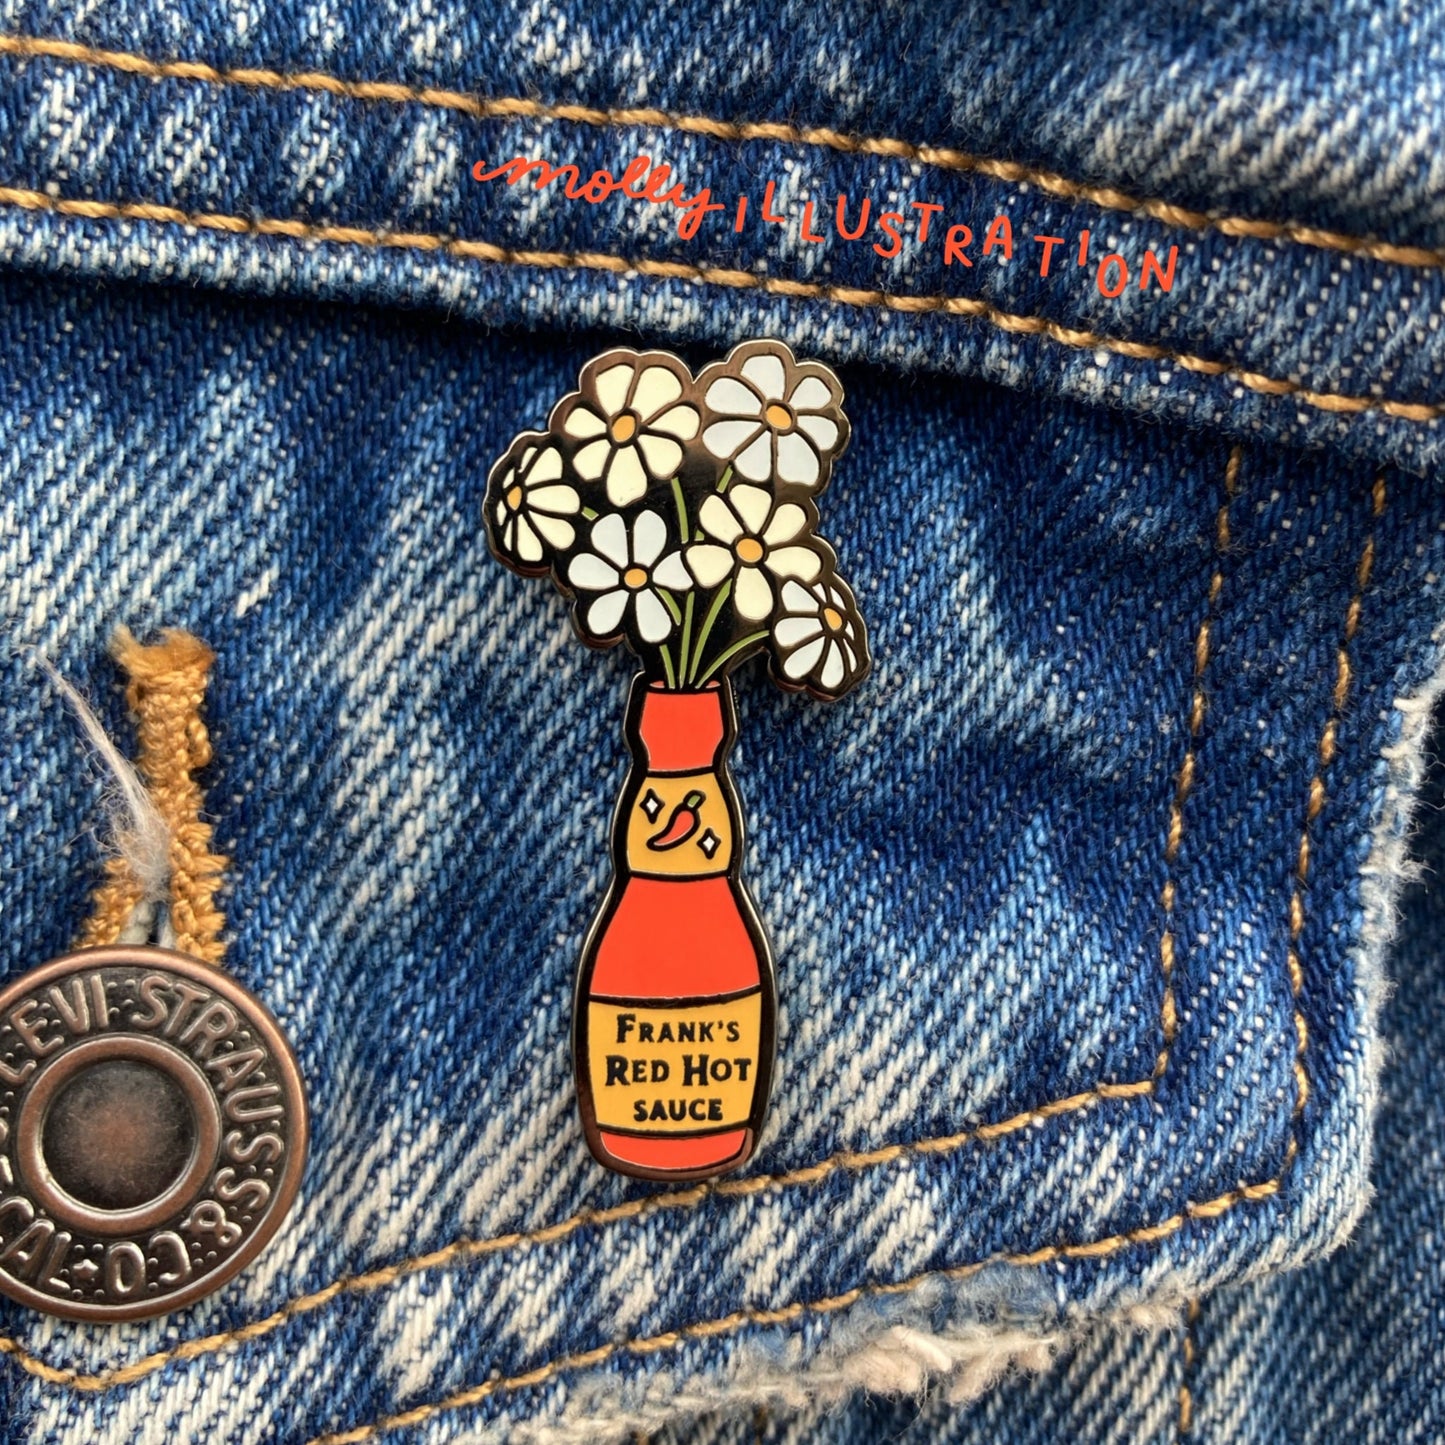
[389, 180]
[278, 436]
[1345, 1349]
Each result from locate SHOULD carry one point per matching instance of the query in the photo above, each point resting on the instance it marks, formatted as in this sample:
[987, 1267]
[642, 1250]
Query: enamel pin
[678, 514]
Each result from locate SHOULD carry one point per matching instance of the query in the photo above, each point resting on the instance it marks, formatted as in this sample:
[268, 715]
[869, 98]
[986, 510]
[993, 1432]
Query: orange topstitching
[1188, 1353]
[848, 1160]
[964, 306]
[1209, 1209]
[1188, 769]
[508, 107]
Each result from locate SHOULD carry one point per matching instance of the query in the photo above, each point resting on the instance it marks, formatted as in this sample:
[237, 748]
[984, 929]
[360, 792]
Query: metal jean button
[152, 1132]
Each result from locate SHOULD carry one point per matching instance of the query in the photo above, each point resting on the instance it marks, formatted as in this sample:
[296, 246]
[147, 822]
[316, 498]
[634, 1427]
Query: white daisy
[626, 574]
[532, 504]
[630, 421]
[771, 417]
[757, 537]
[818, 636]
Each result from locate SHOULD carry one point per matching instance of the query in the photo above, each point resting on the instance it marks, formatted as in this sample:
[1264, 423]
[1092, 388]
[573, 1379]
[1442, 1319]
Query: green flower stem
[728, 654]
[677, 496]
[667, 668]
[686, 642]
[719, 598]
[726, 477]
[670, 602]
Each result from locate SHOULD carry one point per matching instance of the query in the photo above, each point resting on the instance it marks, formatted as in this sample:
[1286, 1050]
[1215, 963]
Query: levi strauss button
[152, 1132]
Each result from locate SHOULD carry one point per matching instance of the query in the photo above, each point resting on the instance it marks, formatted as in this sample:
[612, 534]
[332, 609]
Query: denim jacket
[1081, 902]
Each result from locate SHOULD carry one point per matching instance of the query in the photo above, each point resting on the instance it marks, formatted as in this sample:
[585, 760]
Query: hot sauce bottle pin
[678, 513]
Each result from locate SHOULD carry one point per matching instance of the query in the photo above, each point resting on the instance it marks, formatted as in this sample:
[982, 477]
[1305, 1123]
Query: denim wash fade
[1068, 1035]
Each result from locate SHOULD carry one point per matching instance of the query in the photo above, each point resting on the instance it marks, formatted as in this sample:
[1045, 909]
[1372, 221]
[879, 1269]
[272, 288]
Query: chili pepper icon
[681, 825]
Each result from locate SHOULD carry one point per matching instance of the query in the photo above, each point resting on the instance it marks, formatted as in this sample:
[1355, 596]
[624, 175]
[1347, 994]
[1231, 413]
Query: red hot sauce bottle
[674, 1023]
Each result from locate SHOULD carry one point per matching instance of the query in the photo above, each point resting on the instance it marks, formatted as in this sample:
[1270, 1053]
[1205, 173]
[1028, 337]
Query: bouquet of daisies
[679, 515]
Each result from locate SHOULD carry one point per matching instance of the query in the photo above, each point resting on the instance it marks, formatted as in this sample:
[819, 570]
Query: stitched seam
[1188, 1351]
[516, 107]
[787, 1314]
[1210, 1209]
[849, 1160]
[964, 306]
[1315, 802]
[468, 1249]
[1188, 769]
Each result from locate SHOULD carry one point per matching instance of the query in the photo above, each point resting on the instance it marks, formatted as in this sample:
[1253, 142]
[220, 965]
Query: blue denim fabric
[1344, 1349]
[279, 438]
[1285, 316]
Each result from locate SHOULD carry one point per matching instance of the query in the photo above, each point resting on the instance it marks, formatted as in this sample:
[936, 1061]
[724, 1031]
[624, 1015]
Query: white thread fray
[901, 1362]
[137, 832]
[1383, 876]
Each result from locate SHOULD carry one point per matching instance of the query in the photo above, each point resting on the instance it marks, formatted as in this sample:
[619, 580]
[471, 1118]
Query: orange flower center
[749, 551]
[624, 427]
[635, 577]
[832, 618]
[778, 416]
[514, 498]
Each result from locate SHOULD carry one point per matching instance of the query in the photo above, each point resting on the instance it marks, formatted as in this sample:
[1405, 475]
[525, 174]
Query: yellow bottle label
[686, 1070]
[679, 827]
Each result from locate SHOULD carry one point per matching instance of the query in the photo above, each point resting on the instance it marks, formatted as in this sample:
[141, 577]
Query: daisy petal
[654, 621]
[800, 663]
[591, 459]
[810, 394]
[723, 438]
[718, 519]
[752, 595]
[800, 562]
[547, 469]
[582, 421]
[793, 631]
[672, 573]
[605, 614]
[709, 564]
[788, 521]
[832, 667]
[649, 537]
[557, 498]
[529, 549]
[797, 461]
[657, 387]
[591, 573]
[626, 479]
[609, 536]
[797, 598]
[752, 504]
[555, 530]
[611, 387]
[765, 371]
[822, 429]
[730, 397]
[681, 422]
[755, 462]
[661, 454]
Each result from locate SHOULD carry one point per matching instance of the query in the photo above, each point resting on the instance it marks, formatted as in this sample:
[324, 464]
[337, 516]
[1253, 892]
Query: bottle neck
[679, 823]
[681, 731]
